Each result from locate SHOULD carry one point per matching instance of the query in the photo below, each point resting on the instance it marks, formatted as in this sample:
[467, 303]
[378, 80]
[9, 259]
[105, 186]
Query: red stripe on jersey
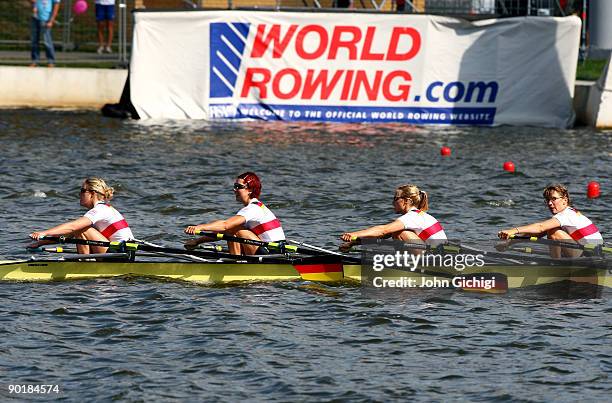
[267, 226]
[428, 232]
[582, 232]
[114, 227]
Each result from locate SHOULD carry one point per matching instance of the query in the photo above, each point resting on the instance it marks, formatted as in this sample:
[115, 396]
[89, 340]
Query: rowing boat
[318, 268]
[498, 271]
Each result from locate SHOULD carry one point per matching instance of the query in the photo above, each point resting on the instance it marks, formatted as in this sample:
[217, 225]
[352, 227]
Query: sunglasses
[83, 190]
[552, 199]
[238, 186]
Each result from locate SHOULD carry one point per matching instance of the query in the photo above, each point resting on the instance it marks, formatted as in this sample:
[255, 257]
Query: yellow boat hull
[214, 272]
[518, 276]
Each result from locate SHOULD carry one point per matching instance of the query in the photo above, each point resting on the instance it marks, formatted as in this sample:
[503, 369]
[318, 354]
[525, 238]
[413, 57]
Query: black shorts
[262, 250]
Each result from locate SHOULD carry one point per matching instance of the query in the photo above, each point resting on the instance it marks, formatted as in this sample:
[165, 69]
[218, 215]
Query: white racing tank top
[424, 225]
[262, 221]
[578, 226]
[109, 222]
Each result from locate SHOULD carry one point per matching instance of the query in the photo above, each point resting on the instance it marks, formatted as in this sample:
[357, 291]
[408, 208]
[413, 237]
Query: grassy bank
[590, 70]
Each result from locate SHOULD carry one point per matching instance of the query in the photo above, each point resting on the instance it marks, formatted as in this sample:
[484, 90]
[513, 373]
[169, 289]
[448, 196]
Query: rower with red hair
[254, 221]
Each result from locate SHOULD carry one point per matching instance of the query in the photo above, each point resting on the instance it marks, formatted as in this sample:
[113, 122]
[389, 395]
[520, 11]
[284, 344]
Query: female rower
[254, 221]
[415, 225]
[101, 223]
[566, 224]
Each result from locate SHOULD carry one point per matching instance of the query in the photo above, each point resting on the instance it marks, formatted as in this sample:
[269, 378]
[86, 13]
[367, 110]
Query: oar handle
[442, 248]
[527, 237]
[278, 246]
[114, 245]
[571, 245]
[595, 249]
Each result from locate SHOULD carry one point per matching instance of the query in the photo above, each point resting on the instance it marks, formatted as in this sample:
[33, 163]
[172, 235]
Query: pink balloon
[79, 7]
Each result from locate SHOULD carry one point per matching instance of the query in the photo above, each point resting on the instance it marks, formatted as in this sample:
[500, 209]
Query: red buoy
[509, 166]
[445, 151]
[593, 190]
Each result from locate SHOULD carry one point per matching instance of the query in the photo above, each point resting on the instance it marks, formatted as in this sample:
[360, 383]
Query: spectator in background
[44, 13]
[400, 5]
[105, 14]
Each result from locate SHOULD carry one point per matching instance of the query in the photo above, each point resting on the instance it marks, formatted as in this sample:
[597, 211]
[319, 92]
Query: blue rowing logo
[227, 44]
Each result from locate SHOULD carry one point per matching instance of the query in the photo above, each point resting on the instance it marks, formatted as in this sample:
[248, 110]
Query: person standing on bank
[105, 15]
[44, 13]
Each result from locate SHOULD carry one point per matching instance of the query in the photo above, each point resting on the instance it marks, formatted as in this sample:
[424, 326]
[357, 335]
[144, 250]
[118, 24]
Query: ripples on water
[140, 338]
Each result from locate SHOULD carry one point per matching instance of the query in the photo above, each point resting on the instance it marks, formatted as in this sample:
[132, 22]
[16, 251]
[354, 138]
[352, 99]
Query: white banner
[417, 69]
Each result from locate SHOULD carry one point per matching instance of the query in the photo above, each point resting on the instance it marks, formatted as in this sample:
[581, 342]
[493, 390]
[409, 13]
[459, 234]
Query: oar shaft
[222, 236]
[445, 247]
[544, 240]
[315, 248]
[280, 246]
[132, 246]
[76, 241]
[552, 242]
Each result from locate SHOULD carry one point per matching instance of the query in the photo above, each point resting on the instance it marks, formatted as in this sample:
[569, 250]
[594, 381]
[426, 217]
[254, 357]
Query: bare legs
[105, 44]
[100, 36]
[410, 237]
[236, 248]
[90, 234]
[558, 251]
[109, 29]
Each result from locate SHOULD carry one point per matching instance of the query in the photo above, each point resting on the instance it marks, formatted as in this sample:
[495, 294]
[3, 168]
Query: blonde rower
[415, 225]
[101, 222]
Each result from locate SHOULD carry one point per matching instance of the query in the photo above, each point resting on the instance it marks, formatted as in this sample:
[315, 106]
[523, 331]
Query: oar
[442, 248]
[133, 247]
[214, 248]
[593, 248]
[544, 241]
[277, 246]
[315, 248]
[346, 246]
[458, 248]
[59, 249]
[526, 249]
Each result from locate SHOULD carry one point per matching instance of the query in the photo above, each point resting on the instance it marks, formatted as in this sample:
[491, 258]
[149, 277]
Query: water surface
[137, 339]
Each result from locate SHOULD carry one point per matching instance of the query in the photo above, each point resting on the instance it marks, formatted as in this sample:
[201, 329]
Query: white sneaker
[100, 50]
[108, 49]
